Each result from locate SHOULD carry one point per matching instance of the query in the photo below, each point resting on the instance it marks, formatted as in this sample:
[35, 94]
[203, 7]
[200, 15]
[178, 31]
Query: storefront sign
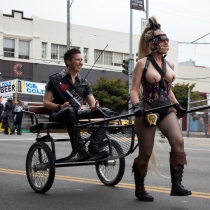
[30, 87]
[25, 87]
[15, 69]
[7, 87]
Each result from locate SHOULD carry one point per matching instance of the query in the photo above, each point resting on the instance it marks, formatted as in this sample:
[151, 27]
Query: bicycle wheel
[40, 168]
[110, 172]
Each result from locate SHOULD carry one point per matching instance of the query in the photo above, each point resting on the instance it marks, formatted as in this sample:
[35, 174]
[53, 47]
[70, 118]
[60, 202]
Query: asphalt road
[79, 187]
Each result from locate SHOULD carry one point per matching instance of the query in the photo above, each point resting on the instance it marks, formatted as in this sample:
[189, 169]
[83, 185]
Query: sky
[182, 20]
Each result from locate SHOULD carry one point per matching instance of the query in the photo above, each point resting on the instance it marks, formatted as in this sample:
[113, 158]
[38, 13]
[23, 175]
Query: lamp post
[68, 23]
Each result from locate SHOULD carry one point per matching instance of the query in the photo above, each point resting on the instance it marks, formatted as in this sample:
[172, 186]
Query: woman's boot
[177, 161]
[140, 172]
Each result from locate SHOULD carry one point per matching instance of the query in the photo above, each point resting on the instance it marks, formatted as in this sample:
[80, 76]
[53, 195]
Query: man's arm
[92, 102]
[47, 101]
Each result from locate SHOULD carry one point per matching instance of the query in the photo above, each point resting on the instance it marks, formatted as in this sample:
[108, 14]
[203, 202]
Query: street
[80, 188]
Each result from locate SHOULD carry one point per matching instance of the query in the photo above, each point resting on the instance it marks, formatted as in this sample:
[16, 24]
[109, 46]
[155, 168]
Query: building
[35, 47]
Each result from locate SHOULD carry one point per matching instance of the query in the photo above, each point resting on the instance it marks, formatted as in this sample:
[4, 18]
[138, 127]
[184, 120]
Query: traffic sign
[143, 24]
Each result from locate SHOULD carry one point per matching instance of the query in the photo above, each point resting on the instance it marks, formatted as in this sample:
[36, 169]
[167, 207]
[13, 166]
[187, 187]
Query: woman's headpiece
[153, 27]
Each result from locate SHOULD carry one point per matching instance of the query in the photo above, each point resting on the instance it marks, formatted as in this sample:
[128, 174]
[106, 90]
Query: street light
[68, 23]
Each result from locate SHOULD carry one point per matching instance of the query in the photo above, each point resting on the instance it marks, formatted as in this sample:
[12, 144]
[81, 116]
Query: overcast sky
[182, 20]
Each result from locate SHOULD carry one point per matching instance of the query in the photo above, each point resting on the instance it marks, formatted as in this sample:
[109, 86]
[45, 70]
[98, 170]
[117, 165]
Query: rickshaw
[119, 142]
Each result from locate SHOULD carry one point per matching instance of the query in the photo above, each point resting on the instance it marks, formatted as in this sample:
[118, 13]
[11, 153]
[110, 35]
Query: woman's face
[162, 41]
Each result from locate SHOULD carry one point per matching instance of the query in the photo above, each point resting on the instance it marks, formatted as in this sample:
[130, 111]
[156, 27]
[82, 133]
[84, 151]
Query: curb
[189, 141]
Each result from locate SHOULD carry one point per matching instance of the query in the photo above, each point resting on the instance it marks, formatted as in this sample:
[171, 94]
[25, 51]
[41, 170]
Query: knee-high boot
[177, 162]
[140, 172]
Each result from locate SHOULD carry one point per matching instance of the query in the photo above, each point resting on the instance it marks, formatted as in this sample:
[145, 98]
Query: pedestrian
[18, 116]
[156, 75]
[8, 121]
[67, 110]
[1, 111]
[205, 117]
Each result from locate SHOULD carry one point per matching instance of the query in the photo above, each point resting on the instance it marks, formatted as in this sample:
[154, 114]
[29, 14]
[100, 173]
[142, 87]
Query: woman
[18, 111]
[156, 75]
[8, 120]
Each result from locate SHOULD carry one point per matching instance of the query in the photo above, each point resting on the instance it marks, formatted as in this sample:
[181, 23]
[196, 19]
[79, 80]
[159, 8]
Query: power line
[180, 9]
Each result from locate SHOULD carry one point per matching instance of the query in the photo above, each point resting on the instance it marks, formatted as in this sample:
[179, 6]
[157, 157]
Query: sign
[143, 24]
[69, 93]
[15, 69]
[137, 4]
[7, 87]
[25, 87]
[33, 88]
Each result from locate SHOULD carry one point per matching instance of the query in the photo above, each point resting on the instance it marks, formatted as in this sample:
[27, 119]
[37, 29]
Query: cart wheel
[40, 168]
[110, 172]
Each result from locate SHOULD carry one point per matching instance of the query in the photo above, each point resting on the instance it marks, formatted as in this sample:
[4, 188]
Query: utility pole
[68, 24]
[147, 10]
[130, 51]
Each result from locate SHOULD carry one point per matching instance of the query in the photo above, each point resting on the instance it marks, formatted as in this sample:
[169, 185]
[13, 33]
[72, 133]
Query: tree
[111, 93]
[181, 93]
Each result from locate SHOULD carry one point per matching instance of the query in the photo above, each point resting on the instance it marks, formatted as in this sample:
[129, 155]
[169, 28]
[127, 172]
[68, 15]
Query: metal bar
[125, 116]
[199, 101]
[198, 109]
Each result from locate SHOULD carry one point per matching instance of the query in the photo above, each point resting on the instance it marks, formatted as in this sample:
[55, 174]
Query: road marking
[97, 182]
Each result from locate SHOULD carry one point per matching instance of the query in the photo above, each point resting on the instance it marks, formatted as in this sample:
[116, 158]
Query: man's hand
[138, 111]
[93, 108]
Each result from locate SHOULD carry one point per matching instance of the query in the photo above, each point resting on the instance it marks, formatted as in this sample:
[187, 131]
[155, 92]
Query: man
[64, 110]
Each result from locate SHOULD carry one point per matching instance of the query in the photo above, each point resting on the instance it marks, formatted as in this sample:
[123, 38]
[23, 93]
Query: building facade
[32, 49]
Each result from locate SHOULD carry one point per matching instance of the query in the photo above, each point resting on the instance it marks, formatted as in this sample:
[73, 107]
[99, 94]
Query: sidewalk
[194, 138]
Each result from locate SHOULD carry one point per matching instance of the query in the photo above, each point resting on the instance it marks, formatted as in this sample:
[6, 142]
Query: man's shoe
[99, 156]
[83, 155]
[18, 133]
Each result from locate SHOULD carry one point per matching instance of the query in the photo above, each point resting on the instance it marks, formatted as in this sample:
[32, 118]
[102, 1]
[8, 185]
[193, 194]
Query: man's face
[75, 64]
[0, 99]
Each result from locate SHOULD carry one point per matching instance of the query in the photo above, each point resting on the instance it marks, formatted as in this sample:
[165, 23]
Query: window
[97, 56]
[85, 55]
[62, 51]
[44, 50]
[72, 47]
[23, 49]
[110, 58]
[118, 58]
[9, 48]
[54, 51]
[58, 51]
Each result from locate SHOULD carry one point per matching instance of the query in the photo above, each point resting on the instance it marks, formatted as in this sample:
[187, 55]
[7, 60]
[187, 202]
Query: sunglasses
[162, 38]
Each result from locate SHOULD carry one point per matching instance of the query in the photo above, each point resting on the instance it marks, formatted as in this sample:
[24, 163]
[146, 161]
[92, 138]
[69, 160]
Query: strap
[146, 66]
[67, 91]
[162, 72]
